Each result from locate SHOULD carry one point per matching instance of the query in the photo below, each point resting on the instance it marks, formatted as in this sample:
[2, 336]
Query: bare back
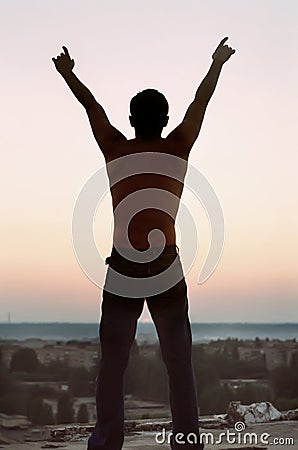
[138, 192]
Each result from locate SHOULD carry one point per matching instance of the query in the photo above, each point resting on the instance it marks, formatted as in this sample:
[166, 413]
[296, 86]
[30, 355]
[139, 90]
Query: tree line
[146, 379]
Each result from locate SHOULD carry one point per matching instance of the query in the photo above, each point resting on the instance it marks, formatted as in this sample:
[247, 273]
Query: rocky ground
[263, 436]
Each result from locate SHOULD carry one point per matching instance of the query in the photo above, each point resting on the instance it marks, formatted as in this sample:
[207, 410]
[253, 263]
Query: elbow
[89, 103]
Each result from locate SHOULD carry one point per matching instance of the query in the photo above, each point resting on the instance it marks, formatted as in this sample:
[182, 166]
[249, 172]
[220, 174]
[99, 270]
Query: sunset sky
[247, 148]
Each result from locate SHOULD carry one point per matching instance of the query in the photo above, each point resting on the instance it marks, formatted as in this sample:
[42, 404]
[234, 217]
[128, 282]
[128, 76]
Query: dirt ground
[280, 431]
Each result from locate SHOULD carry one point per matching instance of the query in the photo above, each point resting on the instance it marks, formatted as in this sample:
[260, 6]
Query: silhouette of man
[168, 308]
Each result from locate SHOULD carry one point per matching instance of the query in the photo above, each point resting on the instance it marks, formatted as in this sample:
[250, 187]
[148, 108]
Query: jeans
[169, 312]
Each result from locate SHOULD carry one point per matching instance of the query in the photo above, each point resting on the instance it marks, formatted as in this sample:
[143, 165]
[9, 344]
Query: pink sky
[247, 148]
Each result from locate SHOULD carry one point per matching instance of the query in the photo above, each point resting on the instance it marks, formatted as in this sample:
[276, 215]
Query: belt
[172, 249]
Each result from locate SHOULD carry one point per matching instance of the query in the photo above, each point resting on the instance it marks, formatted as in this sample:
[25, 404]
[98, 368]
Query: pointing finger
[221, 43]
[66, 51]
[223, 40]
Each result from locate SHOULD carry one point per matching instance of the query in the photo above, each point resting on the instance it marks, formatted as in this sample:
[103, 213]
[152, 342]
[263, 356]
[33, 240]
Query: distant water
[203, 332]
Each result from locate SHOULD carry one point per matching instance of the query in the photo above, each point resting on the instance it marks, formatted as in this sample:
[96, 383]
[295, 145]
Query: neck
[154, 137]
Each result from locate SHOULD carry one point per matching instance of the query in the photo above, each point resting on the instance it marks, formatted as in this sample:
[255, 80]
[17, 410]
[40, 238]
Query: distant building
[13, 421]
[75, 354]
[278, 356]
[90, 404]
[273, 353]
[249, 354]
[6, 352]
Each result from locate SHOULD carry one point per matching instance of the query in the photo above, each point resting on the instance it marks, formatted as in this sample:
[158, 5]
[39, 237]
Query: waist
[136, 235]
[167, 249]
[155, 252]
[134, 264]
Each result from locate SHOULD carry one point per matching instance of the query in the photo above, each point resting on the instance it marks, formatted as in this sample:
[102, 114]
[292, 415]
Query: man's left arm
[188, 131]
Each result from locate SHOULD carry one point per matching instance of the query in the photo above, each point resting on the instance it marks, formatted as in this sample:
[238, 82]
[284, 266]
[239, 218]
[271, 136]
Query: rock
[254, 413]
[71, 432]
[154, 426]
[5, 440]
[217, 421]
[53, 446]
[292, 414]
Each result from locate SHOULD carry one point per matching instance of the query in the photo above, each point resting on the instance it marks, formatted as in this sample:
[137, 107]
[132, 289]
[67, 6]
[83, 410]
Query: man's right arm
[105, 134]
[188, 131]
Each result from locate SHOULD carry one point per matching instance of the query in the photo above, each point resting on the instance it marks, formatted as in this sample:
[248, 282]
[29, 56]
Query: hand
[223, 52]
[63, 62]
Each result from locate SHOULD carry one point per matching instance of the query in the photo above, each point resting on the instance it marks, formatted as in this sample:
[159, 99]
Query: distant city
[202, 332]
[48, 371]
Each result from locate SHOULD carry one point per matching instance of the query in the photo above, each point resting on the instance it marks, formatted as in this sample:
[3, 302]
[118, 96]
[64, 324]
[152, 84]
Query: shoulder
[116, 148]
[178, 143]
[106, 135]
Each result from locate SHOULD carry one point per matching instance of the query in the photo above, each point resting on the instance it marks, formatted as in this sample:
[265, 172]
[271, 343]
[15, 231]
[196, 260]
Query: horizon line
[145, 322]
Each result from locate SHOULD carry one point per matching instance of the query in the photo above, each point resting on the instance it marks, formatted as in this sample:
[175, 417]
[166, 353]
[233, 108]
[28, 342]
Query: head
[149, 113]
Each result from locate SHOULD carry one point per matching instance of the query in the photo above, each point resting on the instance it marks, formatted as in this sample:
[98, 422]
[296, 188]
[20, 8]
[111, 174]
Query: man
[150, 228]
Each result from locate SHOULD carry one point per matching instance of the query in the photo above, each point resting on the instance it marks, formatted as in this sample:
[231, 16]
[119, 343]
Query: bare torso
[151, 209]
[114, 145]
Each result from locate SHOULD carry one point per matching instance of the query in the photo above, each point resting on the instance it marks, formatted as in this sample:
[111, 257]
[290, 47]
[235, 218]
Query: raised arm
[189, 129]
[104, 133]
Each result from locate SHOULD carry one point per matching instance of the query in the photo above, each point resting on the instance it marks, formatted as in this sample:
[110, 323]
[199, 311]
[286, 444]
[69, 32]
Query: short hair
[149, 110]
